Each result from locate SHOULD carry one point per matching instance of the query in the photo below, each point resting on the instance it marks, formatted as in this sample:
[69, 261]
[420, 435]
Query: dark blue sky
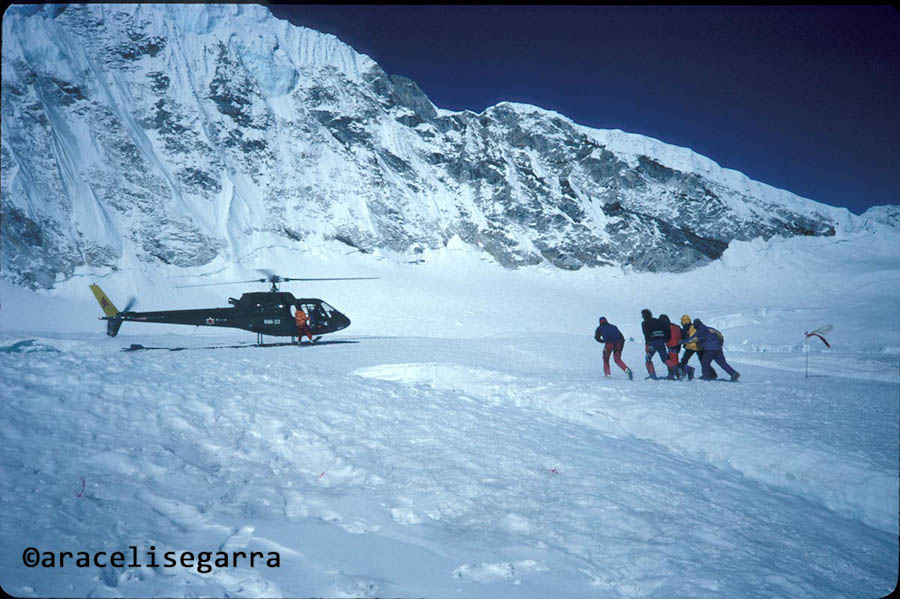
[805, 98]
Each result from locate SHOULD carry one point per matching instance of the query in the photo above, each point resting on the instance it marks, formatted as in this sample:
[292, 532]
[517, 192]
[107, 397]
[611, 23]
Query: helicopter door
[319, 313]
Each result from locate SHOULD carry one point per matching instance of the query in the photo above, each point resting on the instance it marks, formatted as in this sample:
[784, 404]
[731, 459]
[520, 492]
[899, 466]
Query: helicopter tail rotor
[132, 302]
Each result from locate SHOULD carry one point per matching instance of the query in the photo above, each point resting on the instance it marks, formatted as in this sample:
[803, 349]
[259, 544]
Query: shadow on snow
[138, 347]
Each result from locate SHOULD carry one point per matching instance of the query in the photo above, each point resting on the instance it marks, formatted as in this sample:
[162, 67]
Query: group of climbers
[665, 339]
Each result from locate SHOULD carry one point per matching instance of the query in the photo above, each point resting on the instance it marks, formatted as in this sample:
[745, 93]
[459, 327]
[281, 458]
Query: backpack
[719, 335]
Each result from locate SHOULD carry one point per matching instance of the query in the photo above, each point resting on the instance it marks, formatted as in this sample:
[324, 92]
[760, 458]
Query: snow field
[503, 467]
[814, 467]
[459, 438]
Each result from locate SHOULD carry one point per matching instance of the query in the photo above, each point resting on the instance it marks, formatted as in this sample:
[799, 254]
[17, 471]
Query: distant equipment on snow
[820, 332]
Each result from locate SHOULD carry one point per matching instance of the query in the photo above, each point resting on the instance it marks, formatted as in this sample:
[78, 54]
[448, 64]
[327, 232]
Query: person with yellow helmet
[687, 330]
[711, 342]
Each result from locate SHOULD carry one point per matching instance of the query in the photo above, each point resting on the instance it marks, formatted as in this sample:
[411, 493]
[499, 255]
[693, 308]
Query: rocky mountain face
[173, 134]
[886, 215]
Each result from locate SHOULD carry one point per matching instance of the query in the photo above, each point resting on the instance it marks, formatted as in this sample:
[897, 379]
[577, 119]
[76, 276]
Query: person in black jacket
[656, 335]
[614, 341]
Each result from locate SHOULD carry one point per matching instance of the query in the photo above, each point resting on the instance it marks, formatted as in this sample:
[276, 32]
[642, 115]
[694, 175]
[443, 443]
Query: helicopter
[262, 312]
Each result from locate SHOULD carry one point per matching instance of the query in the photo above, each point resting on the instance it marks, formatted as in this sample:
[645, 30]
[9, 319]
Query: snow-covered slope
[459, 438]
[140, 135]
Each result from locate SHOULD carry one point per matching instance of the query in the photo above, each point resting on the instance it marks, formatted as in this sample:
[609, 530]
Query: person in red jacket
[302, 324]
[673, 345]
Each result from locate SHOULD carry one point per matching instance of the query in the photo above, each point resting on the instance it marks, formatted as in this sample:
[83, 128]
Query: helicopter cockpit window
[319, 313]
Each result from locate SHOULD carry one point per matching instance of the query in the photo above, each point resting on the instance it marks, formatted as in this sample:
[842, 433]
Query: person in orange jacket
[302, 324]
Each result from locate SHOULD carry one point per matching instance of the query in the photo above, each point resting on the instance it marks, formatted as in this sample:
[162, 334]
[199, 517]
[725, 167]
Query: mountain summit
[172, 134]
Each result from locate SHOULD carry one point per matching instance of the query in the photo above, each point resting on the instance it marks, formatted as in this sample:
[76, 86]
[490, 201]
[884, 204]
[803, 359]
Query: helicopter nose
[340, 321]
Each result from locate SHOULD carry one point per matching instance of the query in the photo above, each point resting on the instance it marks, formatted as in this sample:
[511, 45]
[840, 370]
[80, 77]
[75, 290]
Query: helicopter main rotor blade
[225, 283]
[273, 278]
[331, 279]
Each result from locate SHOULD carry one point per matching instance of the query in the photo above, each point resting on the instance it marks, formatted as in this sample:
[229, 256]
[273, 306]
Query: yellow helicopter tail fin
[108, 308]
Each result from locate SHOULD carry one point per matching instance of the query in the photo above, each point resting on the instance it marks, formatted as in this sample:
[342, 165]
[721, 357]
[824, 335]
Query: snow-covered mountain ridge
[141, 135]
[887, 215]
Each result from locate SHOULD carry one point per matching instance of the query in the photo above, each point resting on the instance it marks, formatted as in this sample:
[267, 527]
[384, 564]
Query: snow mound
[818, 471]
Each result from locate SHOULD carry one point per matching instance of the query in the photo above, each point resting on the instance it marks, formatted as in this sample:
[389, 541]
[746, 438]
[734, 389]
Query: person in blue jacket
[614, 341]
[712, 351]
